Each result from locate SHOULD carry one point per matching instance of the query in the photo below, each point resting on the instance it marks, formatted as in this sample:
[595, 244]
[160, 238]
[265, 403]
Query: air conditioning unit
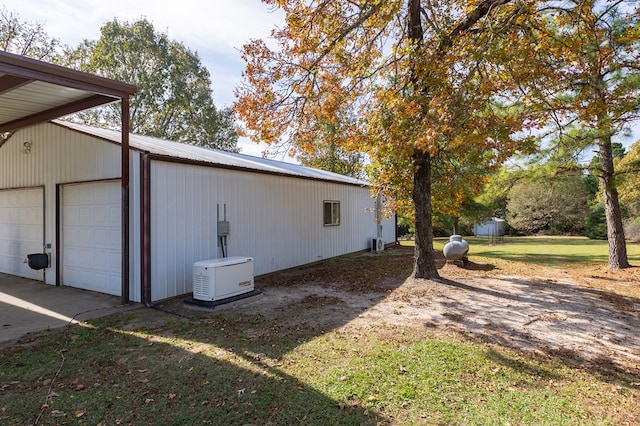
[377, 244]
[222, 278]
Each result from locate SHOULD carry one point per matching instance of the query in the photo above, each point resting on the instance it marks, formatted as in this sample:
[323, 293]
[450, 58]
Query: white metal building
[60, 187]
[492, 227]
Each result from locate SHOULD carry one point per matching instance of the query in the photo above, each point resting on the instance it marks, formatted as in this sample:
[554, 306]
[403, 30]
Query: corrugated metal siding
[135, 266]
[389, 229]
[274, 219]
[57, 155]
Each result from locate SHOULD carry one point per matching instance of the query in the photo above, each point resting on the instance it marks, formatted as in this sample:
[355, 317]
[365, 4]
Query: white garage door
[21, 230]
[91, 238]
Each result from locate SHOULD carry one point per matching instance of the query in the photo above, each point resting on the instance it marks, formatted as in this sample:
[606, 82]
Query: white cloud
[215, 29]
[195, 22]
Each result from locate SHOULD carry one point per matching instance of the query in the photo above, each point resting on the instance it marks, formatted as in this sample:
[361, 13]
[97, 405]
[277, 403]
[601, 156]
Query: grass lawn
[546, 251]
[151, 367]
[210, 373]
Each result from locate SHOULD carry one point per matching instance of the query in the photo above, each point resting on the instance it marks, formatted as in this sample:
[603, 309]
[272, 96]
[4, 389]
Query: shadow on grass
[470, 265]
[530, 368]
[180, 372]
[541, 241]
[541, 259]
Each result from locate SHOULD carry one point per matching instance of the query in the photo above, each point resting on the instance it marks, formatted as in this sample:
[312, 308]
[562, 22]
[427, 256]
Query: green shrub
[596, 223]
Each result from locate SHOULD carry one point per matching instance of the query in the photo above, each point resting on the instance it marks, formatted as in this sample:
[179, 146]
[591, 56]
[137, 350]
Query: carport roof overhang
[32, 91]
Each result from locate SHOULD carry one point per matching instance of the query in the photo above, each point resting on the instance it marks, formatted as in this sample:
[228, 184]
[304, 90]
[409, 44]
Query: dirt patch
[590, 317]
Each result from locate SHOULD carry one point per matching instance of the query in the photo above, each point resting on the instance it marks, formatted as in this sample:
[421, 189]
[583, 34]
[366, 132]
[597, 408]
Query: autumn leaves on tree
[436, 94]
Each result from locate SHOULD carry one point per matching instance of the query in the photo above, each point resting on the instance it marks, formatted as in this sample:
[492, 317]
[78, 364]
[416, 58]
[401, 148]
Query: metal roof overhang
[33, 91]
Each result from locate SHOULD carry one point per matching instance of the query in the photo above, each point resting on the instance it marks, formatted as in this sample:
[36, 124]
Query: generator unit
[222, 278]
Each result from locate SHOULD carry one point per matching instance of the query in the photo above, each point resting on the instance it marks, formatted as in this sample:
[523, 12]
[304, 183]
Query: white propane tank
[456, 248]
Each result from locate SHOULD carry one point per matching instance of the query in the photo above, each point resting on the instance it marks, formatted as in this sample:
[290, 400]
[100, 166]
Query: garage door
[21, 230]
[91, 238]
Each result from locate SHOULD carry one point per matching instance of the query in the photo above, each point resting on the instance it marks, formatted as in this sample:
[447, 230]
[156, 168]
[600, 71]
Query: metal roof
[208, 156]
[32, 91]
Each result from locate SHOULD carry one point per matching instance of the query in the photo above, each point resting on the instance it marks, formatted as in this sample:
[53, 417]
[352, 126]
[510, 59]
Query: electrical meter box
[223, 228]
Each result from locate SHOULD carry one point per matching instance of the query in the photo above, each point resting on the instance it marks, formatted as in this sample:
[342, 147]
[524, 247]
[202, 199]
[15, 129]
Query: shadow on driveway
[28, 306]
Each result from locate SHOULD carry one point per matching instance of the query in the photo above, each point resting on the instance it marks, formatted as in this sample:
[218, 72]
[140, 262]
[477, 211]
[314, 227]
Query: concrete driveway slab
[28, 306]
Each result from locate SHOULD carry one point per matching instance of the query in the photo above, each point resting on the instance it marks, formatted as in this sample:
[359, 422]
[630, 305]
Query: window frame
[334, 212]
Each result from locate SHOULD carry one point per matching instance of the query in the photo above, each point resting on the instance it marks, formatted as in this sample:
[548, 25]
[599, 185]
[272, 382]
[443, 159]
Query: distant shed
[492, 227]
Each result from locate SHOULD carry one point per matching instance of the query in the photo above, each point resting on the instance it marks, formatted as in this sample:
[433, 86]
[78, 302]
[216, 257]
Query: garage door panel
[77, 256]
[15, 249]
[78, 215]
[115, 239]
[109, 238]
[91, 241]
[88, 238]
[21, 230]
[106, 215]
[77, 235]
[96, 260]
[93, 279]
[31, 216]
[28, 233]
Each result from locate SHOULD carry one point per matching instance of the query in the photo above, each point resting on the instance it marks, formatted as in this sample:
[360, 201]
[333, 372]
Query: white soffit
[35, 97]
[33, 91]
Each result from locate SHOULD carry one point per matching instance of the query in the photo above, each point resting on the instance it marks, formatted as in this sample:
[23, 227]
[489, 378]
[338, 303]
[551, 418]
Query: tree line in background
[174, 99]
[542, 199]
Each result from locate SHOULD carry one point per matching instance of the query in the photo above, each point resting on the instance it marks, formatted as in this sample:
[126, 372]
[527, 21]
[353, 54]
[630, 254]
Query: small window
[331, 213]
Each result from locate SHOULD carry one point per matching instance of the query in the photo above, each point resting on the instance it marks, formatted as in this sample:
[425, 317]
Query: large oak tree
[422, 78]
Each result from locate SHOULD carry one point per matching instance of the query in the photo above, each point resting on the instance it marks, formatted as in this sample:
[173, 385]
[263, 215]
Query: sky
[216, 29]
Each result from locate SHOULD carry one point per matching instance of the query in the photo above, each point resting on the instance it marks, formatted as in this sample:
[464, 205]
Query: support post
[124, 294]
[145, 229]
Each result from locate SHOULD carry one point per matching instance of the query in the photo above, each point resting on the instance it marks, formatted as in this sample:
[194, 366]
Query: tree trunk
[615, 230]
[456, 225]
[425, 256]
